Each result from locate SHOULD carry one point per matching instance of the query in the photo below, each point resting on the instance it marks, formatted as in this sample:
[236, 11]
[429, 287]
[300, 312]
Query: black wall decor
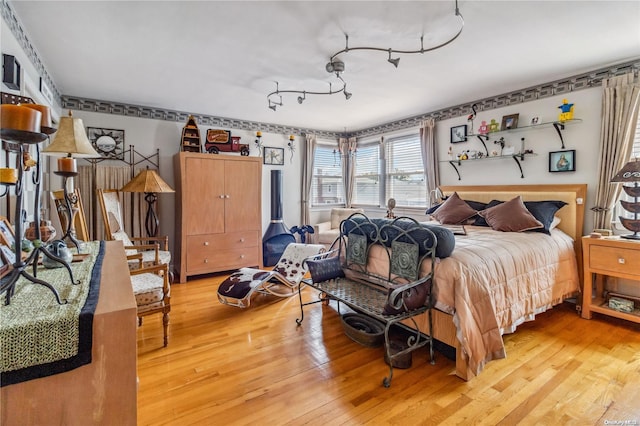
[10, 71]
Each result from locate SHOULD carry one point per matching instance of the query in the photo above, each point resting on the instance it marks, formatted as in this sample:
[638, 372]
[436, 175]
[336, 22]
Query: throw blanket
[495, 281]
[40, 338]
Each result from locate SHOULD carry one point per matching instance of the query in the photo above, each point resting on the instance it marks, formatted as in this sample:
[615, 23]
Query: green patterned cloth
[34, 329]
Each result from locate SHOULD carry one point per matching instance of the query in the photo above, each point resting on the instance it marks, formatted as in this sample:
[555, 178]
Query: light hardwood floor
[225, 365]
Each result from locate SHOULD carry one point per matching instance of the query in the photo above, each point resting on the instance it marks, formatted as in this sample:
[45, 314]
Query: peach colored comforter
[495, 281]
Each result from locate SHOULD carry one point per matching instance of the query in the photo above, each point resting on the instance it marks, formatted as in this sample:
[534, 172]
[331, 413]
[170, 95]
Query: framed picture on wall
[562, 161]
[273, 156]
[459, 134]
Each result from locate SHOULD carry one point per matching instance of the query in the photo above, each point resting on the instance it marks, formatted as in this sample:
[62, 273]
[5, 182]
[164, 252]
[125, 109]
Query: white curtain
[348, 154]
[620, 104]
[429, 156]
[307, 178]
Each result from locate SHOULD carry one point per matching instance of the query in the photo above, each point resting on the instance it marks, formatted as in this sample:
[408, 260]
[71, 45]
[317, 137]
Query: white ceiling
[222, 58]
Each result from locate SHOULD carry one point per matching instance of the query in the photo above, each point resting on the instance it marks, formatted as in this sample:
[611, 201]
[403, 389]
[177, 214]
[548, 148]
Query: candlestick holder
[70, 200]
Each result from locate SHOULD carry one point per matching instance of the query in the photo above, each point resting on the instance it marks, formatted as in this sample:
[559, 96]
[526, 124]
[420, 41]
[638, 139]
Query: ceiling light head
[302, 98]
[336, 66]
[393, 61]
[273, 106]
[347, 95]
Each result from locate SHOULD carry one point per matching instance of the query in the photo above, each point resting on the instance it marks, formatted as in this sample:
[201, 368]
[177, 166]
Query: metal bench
[397, 294]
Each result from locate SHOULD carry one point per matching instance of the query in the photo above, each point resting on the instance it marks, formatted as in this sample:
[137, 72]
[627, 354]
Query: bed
[481, 297]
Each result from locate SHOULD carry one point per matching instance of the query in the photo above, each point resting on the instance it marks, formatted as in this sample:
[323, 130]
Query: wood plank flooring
[226, 365]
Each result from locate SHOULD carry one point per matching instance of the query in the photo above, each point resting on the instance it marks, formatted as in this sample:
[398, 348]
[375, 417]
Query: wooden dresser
[218, 213]
[100, 393]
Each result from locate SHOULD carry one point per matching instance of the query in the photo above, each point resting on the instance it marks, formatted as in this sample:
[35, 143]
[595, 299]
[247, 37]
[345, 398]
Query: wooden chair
[152, 254]
[152, 291]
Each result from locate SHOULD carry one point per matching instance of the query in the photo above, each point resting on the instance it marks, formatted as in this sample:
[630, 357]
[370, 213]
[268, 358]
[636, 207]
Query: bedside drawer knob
[222, 196]
[206, 243]
[206, 261]
[242, 240]
[242, 256]
[621, 260]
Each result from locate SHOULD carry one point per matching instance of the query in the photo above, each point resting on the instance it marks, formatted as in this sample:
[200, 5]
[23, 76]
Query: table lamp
[149, 182]
[630, 173]
[70, 142]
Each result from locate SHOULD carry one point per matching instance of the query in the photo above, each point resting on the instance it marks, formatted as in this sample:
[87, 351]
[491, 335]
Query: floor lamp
[150, 183]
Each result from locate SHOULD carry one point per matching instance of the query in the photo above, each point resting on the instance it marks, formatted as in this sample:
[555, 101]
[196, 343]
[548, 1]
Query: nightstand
[611, 256]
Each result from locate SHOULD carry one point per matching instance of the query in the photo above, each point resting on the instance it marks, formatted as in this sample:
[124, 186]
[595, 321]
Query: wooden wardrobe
[218, 213]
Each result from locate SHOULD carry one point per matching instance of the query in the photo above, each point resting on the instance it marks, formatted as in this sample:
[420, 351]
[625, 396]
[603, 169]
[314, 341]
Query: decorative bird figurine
[303, 231]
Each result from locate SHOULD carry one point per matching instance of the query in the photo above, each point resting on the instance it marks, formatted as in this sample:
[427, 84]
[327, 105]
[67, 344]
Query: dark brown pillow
[453, 211]
[511, 216]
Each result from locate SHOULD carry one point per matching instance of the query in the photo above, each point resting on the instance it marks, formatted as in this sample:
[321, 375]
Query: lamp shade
[147, 181]
[629, 173]
[71, 140]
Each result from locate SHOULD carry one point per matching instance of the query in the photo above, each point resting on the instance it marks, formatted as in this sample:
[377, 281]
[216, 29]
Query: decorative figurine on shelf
[472, 116]
[483, 129]
[494, 126]
[567, 111]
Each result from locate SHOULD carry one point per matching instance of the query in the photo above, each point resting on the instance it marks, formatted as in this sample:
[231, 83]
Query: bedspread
[495, 281]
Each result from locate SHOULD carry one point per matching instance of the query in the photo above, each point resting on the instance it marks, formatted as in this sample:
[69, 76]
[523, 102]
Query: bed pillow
[476, 205]
[511, 216]
[479, 220]
[544, 212]
[453, 211]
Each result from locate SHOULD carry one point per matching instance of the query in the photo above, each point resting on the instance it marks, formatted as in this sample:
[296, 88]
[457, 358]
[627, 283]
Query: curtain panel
[620, 104]
[309, 151]
[429, 156]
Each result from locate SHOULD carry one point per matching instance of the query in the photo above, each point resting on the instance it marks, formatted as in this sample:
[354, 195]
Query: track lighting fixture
[395, 61]
[278, 92]
[337, 66]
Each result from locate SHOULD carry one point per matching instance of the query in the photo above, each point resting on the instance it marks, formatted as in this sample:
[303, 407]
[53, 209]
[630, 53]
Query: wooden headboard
[571, 215]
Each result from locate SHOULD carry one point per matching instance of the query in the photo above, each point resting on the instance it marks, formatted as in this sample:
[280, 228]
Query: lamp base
[631, 236]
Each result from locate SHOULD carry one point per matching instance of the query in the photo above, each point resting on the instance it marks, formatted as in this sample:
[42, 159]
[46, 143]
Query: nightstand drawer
[614, 259]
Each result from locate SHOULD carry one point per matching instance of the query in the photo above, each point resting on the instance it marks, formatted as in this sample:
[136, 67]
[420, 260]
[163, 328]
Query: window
[327, 188]
[404, 172]
[400, 175]
[367, 175]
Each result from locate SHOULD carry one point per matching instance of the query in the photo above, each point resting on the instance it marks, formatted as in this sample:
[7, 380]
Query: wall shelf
[557, 125]
[516, 157]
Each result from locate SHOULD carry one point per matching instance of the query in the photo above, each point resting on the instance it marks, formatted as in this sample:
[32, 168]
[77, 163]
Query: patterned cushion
[325, 269]
[291, 265]
[147, 289]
